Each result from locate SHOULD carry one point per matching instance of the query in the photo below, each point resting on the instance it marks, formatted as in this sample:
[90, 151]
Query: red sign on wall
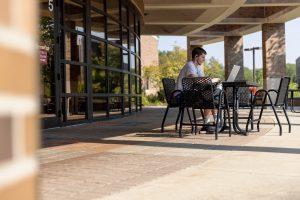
[43, 56]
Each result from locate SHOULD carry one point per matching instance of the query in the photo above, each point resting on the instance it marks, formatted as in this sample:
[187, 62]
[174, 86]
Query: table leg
[235, 116]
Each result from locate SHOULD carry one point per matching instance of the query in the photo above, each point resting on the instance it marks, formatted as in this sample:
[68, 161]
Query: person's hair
[197, 52]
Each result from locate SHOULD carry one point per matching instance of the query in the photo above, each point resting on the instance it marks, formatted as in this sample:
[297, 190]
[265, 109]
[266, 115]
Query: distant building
[149, 57]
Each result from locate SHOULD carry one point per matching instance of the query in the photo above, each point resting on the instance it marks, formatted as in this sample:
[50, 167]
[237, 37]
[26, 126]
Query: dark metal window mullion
[57, 72]
[122, 65]
[106, 60]
[88, 60]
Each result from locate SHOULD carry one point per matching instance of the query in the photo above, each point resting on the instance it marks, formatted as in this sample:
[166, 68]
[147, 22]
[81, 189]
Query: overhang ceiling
[208, 21]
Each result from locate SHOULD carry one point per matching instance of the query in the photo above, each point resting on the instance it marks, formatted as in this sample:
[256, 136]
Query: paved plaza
[128, 158]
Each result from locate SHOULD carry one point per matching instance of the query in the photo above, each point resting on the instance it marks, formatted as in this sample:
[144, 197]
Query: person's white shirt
[189, 69]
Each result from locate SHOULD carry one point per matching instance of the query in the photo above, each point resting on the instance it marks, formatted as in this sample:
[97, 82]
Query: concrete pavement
[128, 158]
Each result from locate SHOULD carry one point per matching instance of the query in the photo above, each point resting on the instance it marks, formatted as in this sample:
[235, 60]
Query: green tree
[259, 77]
[290, 71]
[214, 69]
[171, 62]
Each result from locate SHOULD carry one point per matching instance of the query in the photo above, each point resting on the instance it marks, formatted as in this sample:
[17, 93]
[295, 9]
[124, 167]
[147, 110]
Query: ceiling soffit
[211, 20]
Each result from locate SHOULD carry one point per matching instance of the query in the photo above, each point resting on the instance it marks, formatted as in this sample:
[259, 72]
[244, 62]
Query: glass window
[137, 46]
[124, 15]
[125, 37]
[97, 24]
[113, 8]
[75, 79]
[138, 89]
[114, 57]
[115, 80]
[126, 84]
[133, 104]
[139, 102]
[98, 80]
[132, 63]
[74, 47]
[98, 53]
[99, 4]
[76, 108]
[115, 105]
[99, 107]
[47, 75]
[133, 85]
[138, 66]
[113, 31]
[125, 60]
[132, 42]
[126, 104]
[74, 15]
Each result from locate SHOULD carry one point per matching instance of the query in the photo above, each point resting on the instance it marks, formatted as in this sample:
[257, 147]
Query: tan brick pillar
[19, 94]
[273, 49]
[188, 48]
[233, 50]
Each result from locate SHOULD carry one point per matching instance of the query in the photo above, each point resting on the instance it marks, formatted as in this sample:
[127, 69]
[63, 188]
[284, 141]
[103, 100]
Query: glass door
[48, 83]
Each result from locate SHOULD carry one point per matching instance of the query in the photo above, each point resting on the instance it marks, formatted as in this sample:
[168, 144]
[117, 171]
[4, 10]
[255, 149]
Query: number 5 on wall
[50, 5]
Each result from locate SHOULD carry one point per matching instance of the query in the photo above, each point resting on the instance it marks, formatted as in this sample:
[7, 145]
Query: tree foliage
[214, 69]
[171, 62]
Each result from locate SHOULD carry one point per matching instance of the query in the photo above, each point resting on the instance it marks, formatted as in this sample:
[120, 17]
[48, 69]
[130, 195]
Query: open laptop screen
[233, 74]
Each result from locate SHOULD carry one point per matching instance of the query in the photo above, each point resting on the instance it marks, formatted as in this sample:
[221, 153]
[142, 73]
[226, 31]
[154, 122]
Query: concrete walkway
[128, 158]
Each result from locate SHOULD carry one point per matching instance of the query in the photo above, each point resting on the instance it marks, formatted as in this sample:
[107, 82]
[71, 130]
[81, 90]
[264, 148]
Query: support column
[273, 49]
[190, 48]
[233, 49]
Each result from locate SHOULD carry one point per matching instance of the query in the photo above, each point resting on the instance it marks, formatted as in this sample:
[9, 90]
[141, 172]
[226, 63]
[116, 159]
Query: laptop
[233, 74]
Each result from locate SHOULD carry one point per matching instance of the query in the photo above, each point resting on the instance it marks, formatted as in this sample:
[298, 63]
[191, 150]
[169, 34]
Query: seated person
[194, 68]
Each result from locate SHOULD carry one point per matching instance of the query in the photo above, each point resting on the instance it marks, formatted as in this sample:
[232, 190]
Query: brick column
[19, 97]
[273, 49]
[233, 49]
[188, 49]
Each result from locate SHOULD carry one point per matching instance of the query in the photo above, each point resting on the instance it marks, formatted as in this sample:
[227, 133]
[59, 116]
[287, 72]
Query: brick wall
[149, 57]
[19, 82]
[233, 50]
[273, 48]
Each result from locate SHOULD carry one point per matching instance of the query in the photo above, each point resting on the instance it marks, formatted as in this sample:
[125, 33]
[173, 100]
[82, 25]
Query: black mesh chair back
[169, 87]
[172, 100]
[282, 91]
[198, 92]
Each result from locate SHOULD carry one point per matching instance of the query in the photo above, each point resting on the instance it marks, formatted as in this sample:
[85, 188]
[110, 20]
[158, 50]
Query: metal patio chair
[173, 98]
[280, 102]
[198, 93]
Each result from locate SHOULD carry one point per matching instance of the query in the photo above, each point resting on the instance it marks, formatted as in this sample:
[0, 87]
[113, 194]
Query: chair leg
[195, 121]
[250, 117]
[229, 120]
[179, 112]
[163, 122]
[216, 124]
[262, 109]
[287, 119]
[188, 112]
[278, 121]
[181, 121]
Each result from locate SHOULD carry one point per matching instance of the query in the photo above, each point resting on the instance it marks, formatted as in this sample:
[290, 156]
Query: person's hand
[215, 80]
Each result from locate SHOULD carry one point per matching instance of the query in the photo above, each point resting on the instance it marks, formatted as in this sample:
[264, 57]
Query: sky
[292, 36]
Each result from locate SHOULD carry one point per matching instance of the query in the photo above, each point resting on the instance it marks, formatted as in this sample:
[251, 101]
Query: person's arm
[191, 71]
[191, 76]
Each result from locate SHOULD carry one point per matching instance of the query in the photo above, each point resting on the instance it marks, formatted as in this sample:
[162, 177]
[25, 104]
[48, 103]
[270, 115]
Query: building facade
[89, 60]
